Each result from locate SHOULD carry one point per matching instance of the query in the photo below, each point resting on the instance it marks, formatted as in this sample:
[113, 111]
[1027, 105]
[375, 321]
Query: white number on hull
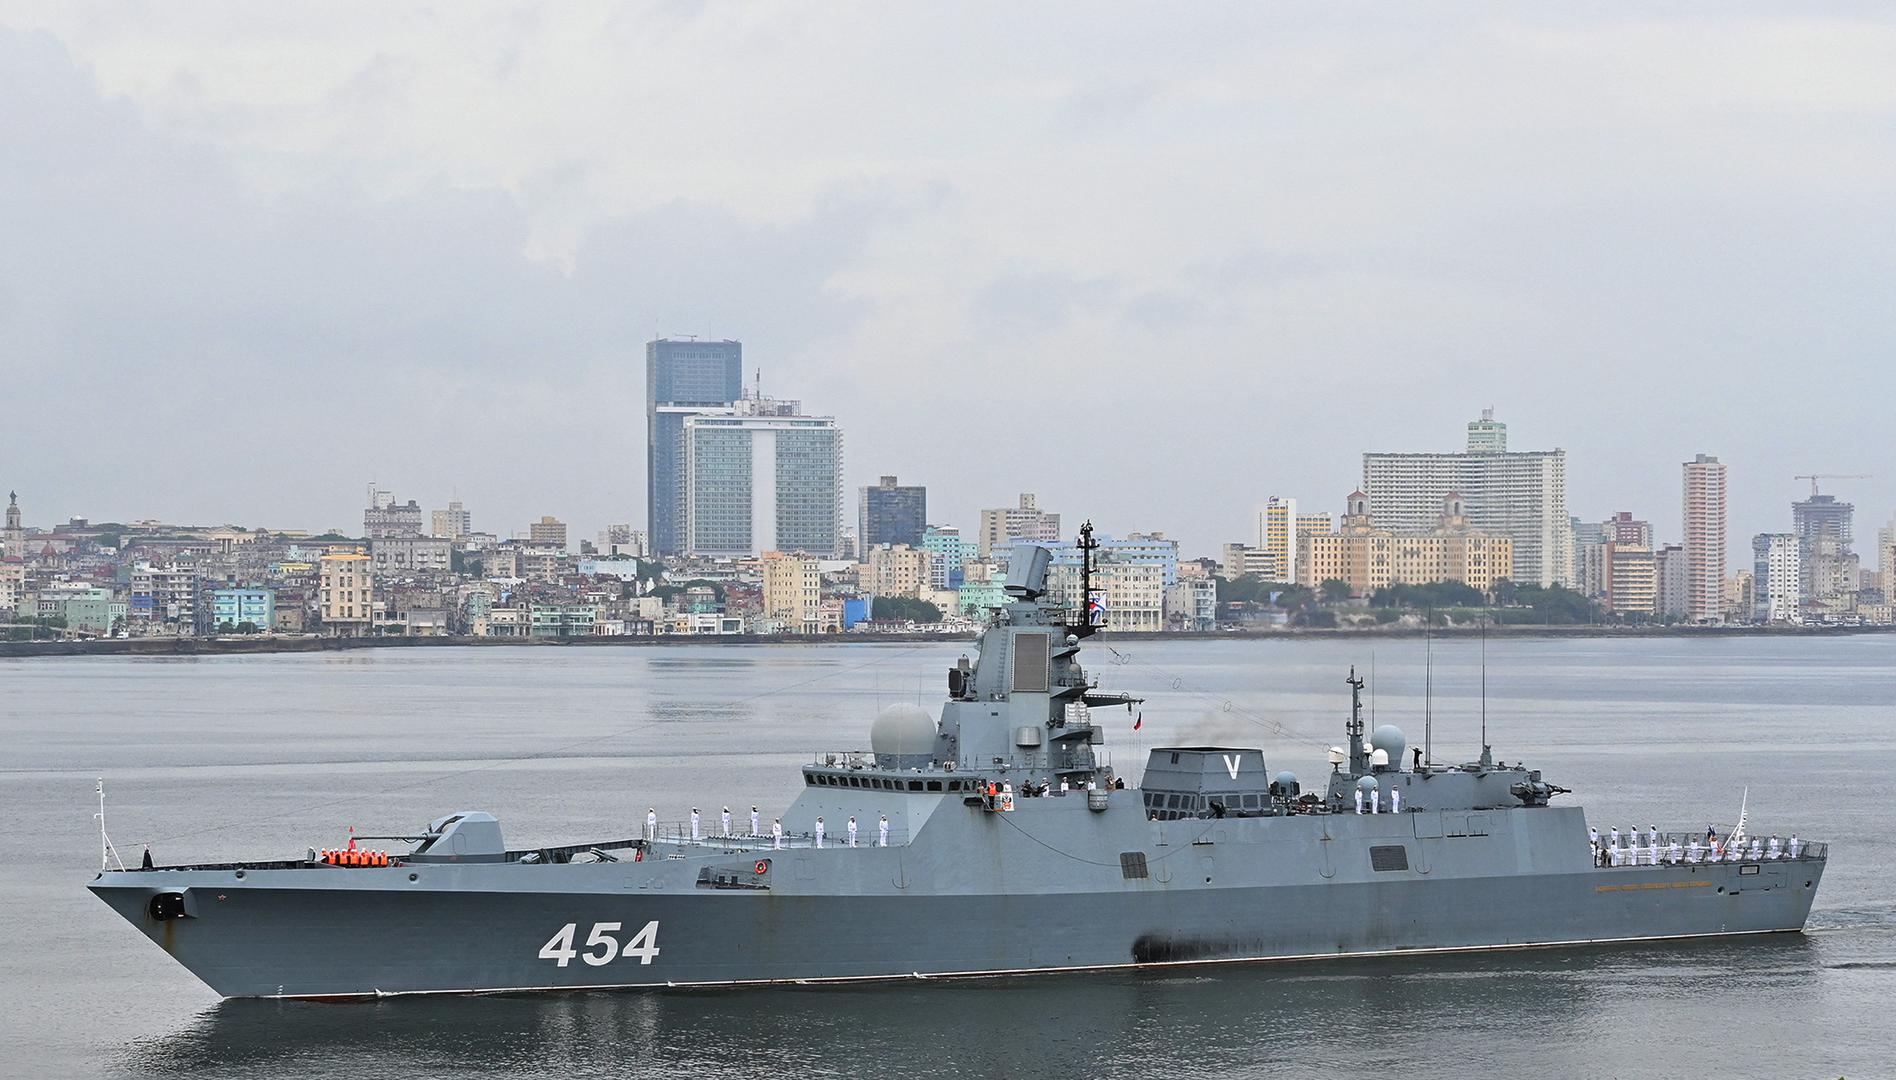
[601, 946]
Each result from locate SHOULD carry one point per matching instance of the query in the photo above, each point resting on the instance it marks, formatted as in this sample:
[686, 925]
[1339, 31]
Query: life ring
[763, 866]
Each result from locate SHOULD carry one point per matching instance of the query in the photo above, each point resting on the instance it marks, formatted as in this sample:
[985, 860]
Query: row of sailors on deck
[1657, 850]
[1375, 801]
[776, 828]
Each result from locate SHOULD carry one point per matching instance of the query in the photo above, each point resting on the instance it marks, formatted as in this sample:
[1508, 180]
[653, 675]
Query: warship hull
[973, 892]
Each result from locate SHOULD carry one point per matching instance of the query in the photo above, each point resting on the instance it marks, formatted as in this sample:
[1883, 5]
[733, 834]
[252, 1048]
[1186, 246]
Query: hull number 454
[601, 947]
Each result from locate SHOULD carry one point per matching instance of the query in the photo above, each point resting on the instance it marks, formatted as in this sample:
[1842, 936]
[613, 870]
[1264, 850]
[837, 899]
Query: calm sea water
[229, 757]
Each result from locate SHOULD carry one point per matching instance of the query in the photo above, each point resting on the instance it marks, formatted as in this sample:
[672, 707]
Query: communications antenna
[107, 853]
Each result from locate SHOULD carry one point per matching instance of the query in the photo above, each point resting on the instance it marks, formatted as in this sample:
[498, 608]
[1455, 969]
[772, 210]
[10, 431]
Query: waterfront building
[978, 597]
[948, 551]
[893, 570]
[549, 531]
[1367, 557]
[163, 598]
[1777, 579]
[1001, 526]
[1146, 549]
[682, 378]
[891, 513]
[561, 620]
[13, 539]
[452, 523]
[1632, 585]
[1741, 597]
[793, 592]
[762, 476]
[384, 518]
[1704, 484]
[1133, 592]
[1521, 495]
[236, 606]
[405, 556]
[347, 606]
[1886, 559]
[1192, 604]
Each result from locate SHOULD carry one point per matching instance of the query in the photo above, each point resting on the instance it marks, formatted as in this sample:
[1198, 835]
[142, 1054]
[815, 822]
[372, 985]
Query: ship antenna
[1484, 688]
[1087, 545]
[107, 853]
[1428, 688]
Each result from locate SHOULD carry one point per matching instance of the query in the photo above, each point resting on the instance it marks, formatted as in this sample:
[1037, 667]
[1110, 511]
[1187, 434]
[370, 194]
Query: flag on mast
[1139, 721]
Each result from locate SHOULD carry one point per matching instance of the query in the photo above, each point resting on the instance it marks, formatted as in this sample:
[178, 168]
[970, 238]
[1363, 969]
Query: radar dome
[1286, 779]
[1389, 737]
[902, 731]
[1366, 784]
[1378, 758]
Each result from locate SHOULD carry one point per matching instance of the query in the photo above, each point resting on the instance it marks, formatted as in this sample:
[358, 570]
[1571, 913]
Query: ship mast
[1087, 546]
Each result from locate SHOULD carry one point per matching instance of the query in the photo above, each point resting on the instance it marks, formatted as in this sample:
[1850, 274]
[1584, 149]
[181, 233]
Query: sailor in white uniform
[882, 831]
[725, 820]
[694, 823]
[819, 832]
[852, 830]
[1395, 800]
[1359, 800]
[1796, 845]
[1692, 851]
[755, 831]
[776, 833]
[1375, 800]
[651, 823]
[1773, 852]
[1613, 838]
[1672, 853]
[1757, 848]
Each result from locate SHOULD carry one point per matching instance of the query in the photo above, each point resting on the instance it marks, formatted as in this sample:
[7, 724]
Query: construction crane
[1814, 477]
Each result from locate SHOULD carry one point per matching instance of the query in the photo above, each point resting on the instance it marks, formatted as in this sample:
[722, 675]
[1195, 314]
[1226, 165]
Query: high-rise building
[682, 378]
[1521, 495]
[452, 523]
[893, 570]
[618, 540]
[549, 531]
[1001, 526]
[761, 476]
[891, 513]
[1776, 583]
[1824, 529]
[1886, 559]
[1705, 539]
[1624, 528]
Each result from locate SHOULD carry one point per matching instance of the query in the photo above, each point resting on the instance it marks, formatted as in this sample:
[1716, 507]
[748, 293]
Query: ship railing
[1096, 758]
[1639, 850]
[677, 834]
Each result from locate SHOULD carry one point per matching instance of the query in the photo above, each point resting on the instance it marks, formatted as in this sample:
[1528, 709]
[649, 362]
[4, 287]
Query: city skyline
[1305, 272]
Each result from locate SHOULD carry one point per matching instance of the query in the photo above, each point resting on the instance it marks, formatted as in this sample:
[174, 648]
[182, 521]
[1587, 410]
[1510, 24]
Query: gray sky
[252, 259]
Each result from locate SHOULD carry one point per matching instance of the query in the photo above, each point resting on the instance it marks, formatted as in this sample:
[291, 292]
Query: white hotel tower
[760, 476]
[1521, 495]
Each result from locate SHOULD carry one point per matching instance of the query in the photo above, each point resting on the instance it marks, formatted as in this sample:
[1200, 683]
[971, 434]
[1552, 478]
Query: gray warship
[992, 840]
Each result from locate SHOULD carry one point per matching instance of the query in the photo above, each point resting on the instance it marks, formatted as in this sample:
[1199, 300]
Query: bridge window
[934, 785]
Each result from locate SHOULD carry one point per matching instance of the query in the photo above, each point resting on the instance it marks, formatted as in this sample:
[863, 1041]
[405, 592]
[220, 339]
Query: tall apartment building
[891, 513]
[1886, 559]
[682, 378]
[452, 523]
[1624, 528]
[163, 599]
[762, 476]
[549, 531]
[1704, 539]
[793, 592]
[1367, 557]
[1521, 495]
[1776, 579]
[347, 600]
[1001, 526]
[12, 583]
[384, 517]
[396, 557]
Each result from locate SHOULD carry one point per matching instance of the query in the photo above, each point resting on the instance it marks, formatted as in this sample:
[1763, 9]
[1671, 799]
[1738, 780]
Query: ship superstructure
[994, 838]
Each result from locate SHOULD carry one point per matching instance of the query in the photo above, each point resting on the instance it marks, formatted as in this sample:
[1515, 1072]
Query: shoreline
[251, 646]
